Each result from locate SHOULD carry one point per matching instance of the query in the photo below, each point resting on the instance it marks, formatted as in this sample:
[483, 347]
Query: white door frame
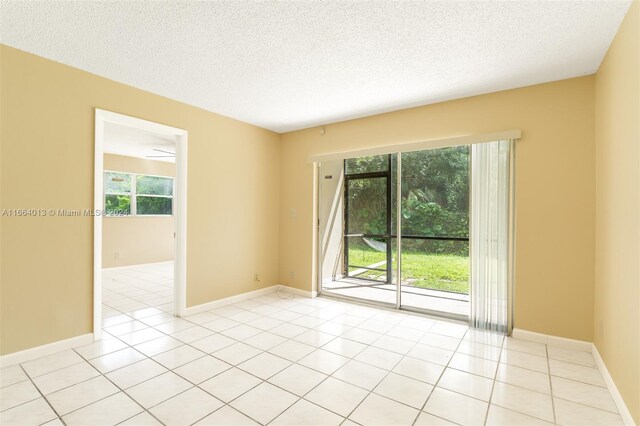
[180, 209]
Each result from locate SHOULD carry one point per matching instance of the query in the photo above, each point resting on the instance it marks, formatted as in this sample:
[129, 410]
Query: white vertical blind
[491, 235]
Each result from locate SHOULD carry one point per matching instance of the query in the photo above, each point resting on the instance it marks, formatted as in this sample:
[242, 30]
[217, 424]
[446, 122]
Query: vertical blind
[491, 232]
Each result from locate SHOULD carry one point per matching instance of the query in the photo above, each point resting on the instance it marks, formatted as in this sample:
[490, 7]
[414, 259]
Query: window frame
[133, 194]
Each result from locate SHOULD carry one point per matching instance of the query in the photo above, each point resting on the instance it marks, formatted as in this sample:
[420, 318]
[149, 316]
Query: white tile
[174, 325]
[191, 334]
[499, 416]
[486, 337]
[220, 324]
[109, 411]
[115, 320]
[344, 347]
[264, 402]
[245, 317]
[12, 375]
[156, 346]
[532, 348]
[524, 360]
[241, 332]
[471, 364]
[265, 340]
[202, 317]
[393, 344]
[125, 328]
[202, 369]
[230, 384]
[51, 363]
[158, 389]
[349, 320]
[226, 416]
[539, 382]
[523, 401]
[136, 373]
[568, 355]
[569, 413]
[54, 422]
[236, 353]
[576, 372]
[297, 379]
[142, 419]
[323, 361]
[144, 313]
[455, 407]
[440, 341]
[101, 347]
[363, 336]
[174, 358]
[582, 393]
[65, 377]
[375, 326]
[116, 360]
[431, 354]
[406, 333]
[292, 350]
[420, 370]
[378, 410]
[213, 343]
[285, 315]
[314, 338]
[451, 329]
[264, 365]
[186, 408]
[404, 389]
[337, 396]
[426, 419]
[85, 393]
[265, 323]
[417, 323]
[479, 350]
[35, 412]
[158, 319]
[466, 384]
[306, 413]
[333, 328]
[140, 336]
[379, 358]
[361, 374]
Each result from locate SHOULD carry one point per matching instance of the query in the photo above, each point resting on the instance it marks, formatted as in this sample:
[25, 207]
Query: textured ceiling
[290, 65]
[132, 142]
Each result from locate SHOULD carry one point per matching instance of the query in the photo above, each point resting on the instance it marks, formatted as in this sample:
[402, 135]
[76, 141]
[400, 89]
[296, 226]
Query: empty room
[324, 213]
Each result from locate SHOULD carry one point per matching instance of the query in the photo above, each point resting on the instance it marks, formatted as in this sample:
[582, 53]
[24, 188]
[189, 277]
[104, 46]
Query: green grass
[419, 269]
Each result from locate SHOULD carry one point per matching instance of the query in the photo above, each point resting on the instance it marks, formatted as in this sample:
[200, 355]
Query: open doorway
[139, 226]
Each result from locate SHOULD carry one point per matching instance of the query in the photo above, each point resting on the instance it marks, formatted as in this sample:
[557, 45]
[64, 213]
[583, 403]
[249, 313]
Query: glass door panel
[435, 230]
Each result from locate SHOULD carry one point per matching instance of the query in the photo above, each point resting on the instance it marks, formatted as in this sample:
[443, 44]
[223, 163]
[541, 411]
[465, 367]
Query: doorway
[139, 196]
[406, 217]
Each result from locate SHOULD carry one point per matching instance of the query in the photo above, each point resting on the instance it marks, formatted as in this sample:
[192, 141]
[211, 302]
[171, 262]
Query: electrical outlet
[292, 275]
[256, 277]
[116, 255]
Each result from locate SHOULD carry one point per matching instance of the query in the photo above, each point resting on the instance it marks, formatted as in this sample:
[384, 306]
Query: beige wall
[555, 182]
[617, 274]
[47, 162]
[133, 240]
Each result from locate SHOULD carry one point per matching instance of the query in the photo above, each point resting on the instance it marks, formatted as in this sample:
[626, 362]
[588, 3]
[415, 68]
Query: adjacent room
[320, 213]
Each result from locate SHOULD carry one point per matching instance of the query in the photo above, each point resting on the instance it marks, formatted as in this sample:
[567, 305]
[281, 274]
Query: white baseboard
[561, 342]
[297, 291]
[228, 300]
[613, 389]
[44, 350]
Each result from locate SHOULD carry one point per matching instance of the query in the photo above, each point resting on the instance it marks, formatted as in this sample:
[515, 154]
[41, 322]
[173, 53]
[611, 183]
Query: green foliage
[154, 185]
[117, 204]
[153, 205]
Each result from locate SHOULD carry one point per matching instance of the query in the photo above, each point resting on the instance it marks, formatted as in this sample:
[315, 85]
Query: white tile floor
[297, 361]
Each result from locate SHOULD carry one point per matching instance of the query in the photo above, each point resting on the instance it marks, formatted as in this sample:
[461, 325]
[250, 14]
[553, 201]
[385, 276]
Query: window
[129, 194]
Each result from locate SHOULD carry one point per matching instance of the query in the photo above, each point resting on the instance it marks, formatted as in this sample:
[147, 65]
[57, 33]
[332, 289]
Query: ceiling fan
[170, 154]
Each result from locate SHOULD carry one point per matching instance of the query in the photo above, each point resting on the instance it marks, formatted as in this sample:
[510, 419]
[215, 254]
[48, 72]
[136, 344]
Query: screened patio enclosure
[365, 203]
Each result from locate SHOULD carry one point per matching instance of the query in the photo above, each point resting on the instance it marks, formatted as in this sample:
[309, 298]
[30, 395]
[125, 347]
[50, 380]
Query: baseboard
[44, 350]
[613, 389]
[116, 268]
[299, 292]
[228, 300]
[561, 342]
